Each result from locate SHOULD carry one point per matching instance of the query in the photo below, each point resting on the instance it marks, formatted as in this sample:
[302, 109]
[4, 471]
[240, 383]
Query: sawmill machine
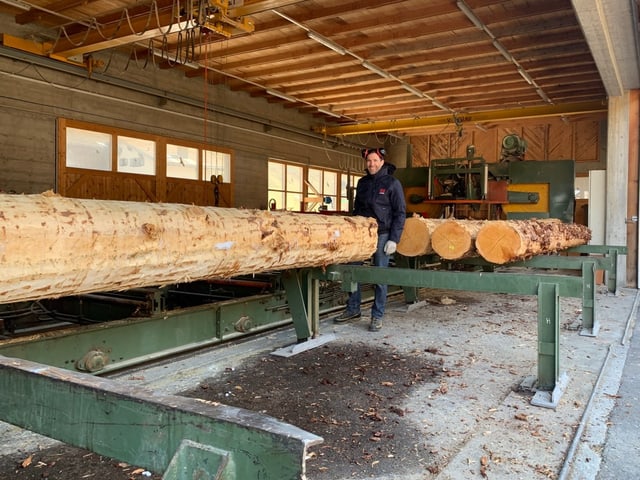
[519, 188]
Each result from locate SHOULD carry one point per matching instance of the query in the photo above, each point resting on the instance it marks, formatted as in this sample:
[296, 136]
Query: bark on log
[455, 239]
[510, 240]
[51, 246]
[416, 236]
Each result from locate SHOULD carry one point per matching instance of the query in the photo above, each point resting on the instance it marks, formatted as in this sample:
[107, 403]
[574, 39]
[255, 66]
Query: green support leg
[551, 384]
[590, 324]
[297, 286]
[303, 296]
[612, 275]
[140, 427]
[410, 293]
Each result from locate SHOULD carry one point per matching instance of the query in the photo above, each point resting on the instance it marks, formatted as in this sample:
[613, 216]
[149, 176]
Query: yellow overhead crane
[408, 124]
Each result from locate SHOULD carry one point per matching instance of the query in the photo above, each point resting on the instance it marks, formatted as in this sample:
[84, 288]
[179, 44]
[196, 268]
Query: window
[287, 190]
[285, 186]
[216, 163]
[88, 149]
[348, 182]
[136, 155]
[182, 162]
[95, 147]
[323, 184]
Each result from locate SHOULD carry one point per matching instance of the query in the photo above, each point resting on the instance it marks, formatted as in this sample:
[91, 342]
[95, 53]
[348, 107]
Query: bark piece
[505, 241]
[416, 236]
[51, 246]
[455, 239]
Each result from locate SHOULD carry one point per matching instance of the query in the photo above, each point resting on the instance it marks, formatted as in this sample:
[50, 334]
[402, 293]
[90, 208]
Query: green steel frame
[547, 287]
[512, 283]
[604, 257]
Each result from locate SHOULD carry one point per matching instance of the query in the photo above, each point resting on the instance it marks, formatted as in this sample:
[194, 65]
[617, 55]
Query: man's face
[374, 163]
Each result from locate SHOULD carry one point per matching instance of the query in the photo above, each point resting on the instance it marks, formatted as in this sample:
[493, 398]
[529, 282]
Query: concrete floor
[476, 419]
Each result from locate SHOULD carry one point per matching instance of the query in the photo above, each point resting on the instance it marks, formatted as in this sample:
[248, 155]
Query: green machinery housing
[522, 189]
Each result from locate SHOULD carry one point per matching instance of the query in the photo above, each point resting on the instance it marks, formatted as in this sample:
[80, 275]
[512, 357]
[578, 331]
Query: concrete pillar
[617, 174]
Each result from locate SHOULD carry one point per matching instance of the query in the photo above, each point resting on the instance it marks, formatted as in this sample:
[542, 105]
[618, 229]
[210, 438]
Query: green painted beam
[143, 428]
[570, 286]
[559, 262]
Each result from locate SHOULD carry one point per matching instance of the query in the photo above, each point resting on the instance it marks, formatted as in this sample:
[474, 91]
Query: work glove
[390, 247]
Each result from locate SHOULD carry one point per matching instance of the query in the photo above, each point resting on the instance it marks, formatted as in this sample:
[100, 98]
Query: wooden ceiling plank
[44, 17]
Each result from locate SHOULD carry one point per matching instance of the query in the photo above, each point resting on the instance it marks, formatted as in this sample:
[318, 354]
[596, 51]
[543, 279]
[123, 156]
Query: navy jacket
[380, 196]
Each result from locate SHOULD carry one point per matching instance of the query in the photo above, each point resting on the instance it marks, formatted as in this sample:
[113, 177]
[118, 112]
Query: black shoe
[346, 317]
[375, 325]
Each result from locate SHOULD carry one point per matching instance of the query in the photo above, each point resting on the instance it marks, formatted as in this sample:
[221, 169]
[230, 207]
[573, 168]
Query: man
[378, 195]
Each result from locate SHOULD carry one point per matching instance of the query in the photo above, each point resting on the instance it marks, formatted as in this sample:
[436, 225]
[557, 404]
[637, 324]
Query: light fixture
[17, 3]
[480, 127]
[376, 69]
[525, 75]
[503, 51]
[326, 42]
[470, 15]
[413, 90]
[281, 95]
[543, 95]
[436, 103]
[329, 112]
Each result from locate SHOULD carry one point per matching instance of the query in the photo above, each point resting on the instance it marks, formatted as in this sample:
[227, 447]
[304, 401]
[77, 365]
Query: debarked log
[416, 236]
[505, 241]
[455, 239]
[52, 246]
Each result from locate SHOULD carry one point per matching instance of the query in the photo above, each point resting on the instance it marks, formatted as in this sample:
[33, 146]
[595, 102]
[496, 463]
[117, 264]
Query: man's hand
[390, 247]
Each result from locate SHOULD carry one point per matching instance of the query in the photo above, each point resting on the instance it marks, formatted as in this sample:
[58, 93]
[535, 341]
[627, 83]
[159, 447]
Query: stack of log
[52, 246]
[499, 241]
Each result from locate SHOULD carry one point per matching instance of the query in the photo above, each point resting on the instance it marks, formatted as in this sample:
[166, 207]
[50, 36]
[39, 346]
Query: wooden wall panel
[585, 141]
[551, 140]
[439, 147]
[107, 186]
[560, 141]
[487, 145]
[536, 138]
[140, 188]
[197, 192]
[419, 151]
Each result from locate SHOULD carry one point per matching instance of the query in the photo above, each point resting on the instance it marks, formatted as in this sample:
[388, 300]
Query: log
[51, 246]
[416, 236]
[455, 239]
[505, 241]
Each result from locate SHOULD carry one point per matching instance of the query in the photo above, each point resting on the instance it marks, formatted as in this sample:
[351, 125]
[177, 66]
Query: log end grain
[451, 240]
[497, 242]
[415, 239]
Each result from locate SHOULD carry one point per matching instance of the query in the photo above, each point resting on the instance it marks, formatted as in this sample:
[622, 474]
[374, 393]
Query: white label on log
[224, 245]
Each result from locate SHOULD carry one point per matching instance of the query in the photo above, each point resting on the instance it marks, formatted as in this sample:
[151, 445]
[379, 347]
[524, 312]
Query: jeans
[380, 259]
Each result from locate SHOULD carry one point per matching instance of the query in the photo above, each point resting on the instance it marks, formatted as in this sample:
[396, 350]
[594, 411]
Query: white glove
[390, 247]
